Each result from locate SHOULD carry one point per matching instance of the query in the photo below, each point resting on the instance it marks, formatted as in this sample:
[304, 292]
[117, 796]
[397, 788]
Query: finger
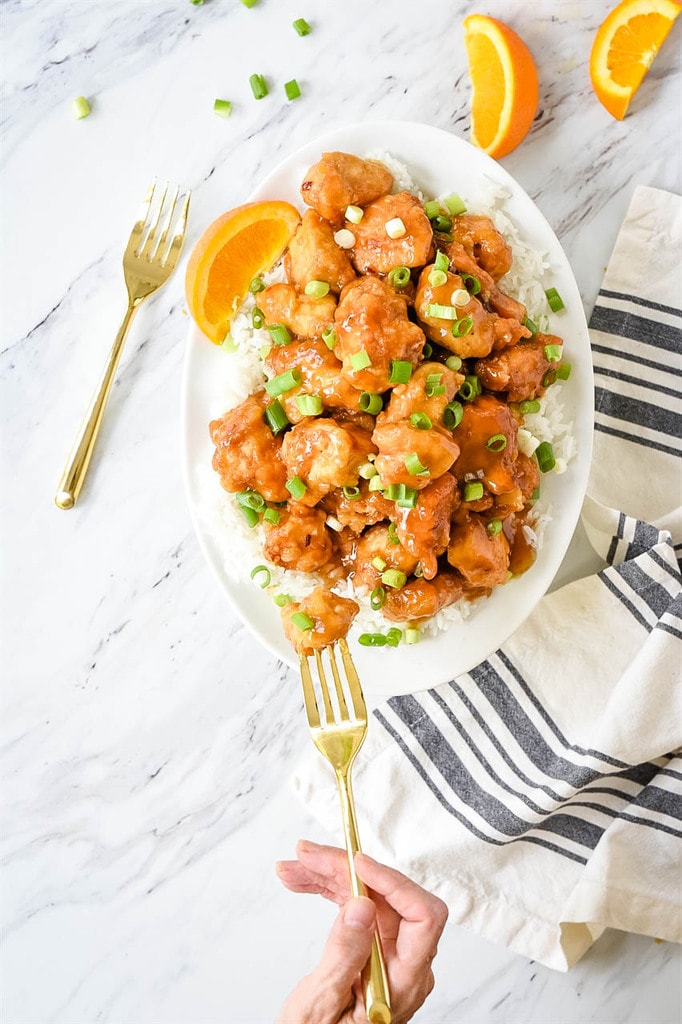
[423, 914]
[295, 877]
[346, 952]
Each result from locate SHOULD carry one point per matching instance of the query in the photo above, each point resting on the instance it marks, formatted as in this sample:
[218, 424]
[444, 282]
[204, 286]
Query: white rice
[241, 547]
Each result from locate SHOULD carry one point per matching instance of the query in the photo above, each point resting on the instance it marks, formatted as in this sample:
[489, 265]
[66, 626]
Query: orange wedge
[624, 49]
[505, 85]
[235, 248]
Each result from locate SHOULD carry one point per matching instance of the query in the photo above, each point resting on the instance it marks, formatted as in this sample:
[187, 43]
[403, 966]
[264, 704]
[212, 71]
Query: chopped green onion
[367, 471]
[414, 466]
[453, 363]
[257, 317]
[399, 277]
[296, 487]
[292, 89]
[258, 85]
[309, 405]
[360, 360]
[528, 406]
[271, 515]
[377, 598]
[441, 262]
[494, 527]
[370, 403]
[283, 382]
[553, 353]
[471, 283]
[257, 285]
[403, 496]
[372, 640]
[279, 334]
[455, 204]
[351, 493]
[354, 214]
[549, 378]
[395, 228]
[554, 299]
[317, 289]
[544, 453]
[251, 499]
[462, 327]
[264, 351]
[250, 515]
[80, 108]
[418, 572]
[198, 3]
[432, 208]
[564, 371]
[460, 297]
[329, 337]
[394, 636]
[427, 351]
[344, 238]
[536, 494]
[303, 621]
[433, 385]
[223, 108]
[230, 345]
[282, 599]
[394, 578]
[470, 388]
[496, 443]
[452, 415]
[276, 417]
[473, 491]
[441, 223]
[436, 309]
[393, 534]
[401, 371]
[531, 325]
[421, 421]
[375, 483]
[302, 27]
[249, 3]
[437, 278]
[265, 572]
[412, 635]
[379, 564]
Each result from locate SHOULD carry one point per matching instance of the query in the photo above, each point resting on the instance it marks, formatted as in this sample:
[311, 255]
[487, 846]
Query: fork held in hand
[339, 738]
[150, 258]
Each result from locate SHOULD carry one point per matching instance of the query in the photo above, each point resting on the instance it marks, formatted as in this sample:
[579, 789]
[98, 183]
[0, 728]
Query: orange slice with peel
[235, 248]
[624, 49]
[505, 85]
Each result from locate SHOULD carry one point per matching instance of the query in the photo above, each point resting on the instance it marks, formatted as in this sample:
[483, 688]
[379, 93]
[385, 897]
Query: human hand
[409, 920]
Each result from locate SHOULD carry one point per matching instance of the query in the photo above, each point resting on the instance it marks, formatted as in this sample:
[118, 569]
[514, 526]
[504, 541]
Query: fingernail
[359, 913]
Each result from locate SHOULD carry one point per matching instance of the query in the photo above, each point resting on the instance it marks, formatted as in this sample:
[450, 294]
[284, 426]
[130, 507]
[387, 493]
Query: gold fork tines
[149, 260]
[338, 726]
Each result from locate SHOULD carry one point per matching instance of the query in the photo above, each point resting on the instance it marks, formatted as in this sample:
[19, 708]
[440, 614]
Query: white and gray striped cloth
[541, 794]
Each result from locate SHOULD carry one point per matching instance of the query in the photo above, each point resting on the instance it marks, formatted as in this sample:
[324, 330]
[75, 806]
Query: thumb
[348, 946]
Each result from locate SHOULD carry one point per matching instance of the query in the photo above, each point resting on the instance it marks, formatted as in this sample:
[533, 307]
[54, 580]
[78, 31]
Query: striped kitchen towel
[540, 794]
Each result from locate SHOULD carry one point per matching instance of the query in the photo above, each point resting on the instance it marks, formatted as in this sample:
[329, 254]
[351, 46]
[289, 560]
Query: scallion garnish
[471, 283]
[275, 417]
[496, 443]
[360, 360]
[549, 378]
[354, 214]
[554, 299]
[279, 334]
[462, 327]
[470, 388]
[302, 27]
[531, 325]
[395, 228]
[292, 89]
[375, 483]
[372, 640]
[283, 382]
[452, 415]
[309, 405]
[282, 599]
[250, 515]
[296, 487]
[544, 453]
[393, 534]
[251, 499]
[441, 312]
[437, 278]
[223, 108]
[460, 297]
[302, 621]
[414, 467]
[249, 3]
[401, 371]
[394, 578]
[257, 317]
[427, 351]
[530, 405]
[80, 107]
[373, 404]
[494, 527]
[261, 570]
[564, 371]
[433, 385]
[271, 515]
[379, 564]
[368, 471]
[377, 598]
[399, 276]
[420, 420]
[473, 490]
[329, 337]
[441, 223]
[344, 238]
[412, 635]
[258, 85]
[453, 363]
[432, 208]
[256, 285]
[441, 262]
[229, 345]
[393, 636]
[553, 353]
[455, 204]
[317, 289]
[351, 493]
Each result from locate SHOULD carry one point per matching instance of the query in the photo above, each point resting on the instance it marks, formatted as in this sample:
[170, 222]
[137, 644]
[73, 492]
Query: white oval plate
[440, 163]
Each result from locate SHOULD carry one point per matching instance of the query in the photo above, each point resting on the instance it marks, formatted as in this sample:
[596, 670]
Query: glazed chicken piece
[482, 559]
[520, 371]
[483, 242]
[313, 255]
[300, 540]
[412, 397]
[355, 514]
[420, 599]
[435, 449]
[320, 373]
[485, 418]
[488, 330]
[330, 614]
[501, 303]
[375, 251]
[372, 318]
[376, 543]
[247, 454]
[339, 180]
[305, 316]
[323, 454]
[425, 529]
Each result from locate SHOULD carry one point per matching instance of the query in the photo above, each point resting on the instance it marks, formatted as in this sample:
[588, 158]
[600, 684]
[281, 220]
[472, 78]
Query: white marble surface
[147, 739]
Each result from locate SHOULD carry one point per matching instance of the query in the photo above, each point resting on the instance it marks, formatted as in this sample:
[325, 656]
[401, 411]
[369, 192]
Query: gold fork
[339, 738]
[149, 260]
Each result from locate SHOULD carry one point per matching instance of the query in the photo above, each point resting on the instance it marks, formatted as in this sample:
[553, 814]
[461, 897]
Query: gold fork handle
[77, 464]
[374, 980]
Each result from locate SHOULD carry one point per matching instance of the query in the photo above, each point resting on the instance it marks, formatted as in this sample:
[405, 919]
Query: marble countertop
[148, 740]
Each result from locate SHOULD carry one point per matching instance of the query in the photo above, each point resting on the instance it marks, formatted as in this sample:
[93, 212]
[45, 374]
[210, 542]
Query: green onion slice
[223, 108]
[265, 572]
[259, 86]
[553, 353]
[296, 487]
[292, 89]
[530, 405]
[271, 515]
[257, 317]
[544, 453]
[401, 371]
[372, 640]
[354, 214]
[394, 636]
[536, 494]
[80, 108]
[414, 466]
[309, 405]
[303, 621]
[393, 534]
[368, 402]
[441, 223]
[251, 499]
[494, 527]
[554, 299]
[375, 483]
[462, 327]
[412, 635]
[248, 3]
[427, 351]
[394, 578]
[377, 598]
[441, 261]
[279, 334]
[453, 363]
[437, 278]
[470, 389]
[549, 378]
[455, 204]
[329, 337]
[441, 312]
[421, 421]
[256, 285]
[302, 27]
[283, 382]
[360, 360]
[229, 345]
[351, 493]
[282, 599]
[399, 277]
[367, 471]
[473, 490]
[531, 325]
[496, 443]
[379, 564]
[432, 208]
[452, 415]
[250, 515]
[275, 417]
[471, 283]
[564, 371]
[317, 289]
